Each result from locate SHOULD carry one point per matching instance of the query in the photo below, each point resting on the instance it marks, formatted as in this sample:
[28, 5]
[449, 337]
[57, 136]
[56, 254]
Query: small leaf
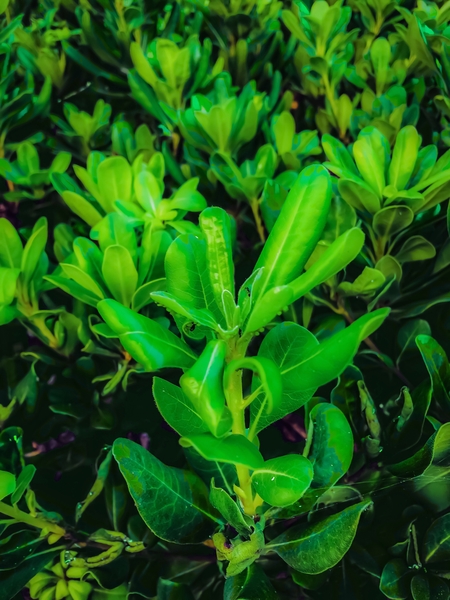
[283, 480]
[7, 484]
[229, 510]
[395, 578]
[416, 248]
[177, 410]
[250, 584]
[23, 481]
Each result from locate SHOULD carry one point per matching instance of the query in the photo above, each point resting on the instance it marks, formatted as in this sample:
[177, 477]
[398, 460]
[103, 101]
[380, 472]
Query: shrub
[224, 285]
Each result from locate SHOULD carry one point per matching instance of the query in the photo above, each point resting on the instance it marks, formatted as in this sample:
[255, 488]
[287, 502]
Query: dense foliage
[224, 287]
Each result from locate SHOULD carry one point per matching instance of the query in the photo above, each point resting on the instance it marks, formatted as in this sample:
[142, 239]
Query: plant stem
[254, 205]
[236, 405]
[23, 517]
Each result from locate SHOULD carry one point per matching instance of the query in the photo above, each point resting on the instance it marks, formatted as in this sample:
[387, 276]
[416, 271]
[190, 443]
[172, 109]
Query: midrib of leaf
[431, 554]
[278, 474]
[127, 333]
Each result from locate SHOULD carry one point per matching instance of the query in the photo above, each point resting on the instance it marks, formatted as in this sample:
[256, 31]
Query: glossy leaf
[234, 449]
[283, 480]
[173, 503]
[147, 341]
[305, 364]
[314, 548]
[331, 451]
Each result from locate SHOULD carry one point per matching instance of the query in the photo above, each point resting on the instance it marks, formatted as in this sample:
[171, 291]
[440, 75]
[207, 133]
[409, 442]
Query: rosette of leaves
[118, 267]
[384, 99]
[293, 148]
[245, 183]
[135, 190]
[208, 407]
[22, 270]
[390, 190]
[129, 143]
[324, 51]
[38, 50]
[24, 176]
[83, 131]
[167, 74]
[221, 120]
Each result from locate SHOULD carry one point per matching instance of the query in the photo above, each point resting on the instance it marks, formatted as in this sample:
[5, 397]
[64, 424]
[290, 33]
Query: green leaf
[313, 548]
[7, 484]
[82, 208]
[331, 451]
[436, 545]
[177, 410]
[120, 274]
[420, 587]
[335, 258]
[23, 481]
[168, 590]
[203, 385]
[436, 362]
[216, 227]
[173, 503]
[369, 160]
[251, 584]
[33, 250]
[416, 248]
[148, 342]
[359, 195]
[229, 510]
[392, 219]
[114, 177]
[283, 480]
[13, 582]
[404, 157]
[366, 284]
[97, 488]
[234, 449]
[188, 276]
[224, 474]
[10, 245]
[288, 247]
[395, 578]
[305, 364]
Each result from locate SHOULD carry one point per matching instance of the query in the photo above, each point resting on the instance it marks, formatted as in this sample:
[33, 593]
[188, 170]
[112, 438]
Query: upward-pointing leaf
[297, 229]
[436, 362]
[305, 364]
[173, 503]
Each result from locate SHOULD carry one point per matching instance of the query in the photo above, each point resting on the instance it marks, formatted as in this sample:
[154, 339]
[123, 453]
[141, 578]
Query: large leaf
[173, 503]
[297, 229]
[306, 364]
[147, 341]
[315, 547]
